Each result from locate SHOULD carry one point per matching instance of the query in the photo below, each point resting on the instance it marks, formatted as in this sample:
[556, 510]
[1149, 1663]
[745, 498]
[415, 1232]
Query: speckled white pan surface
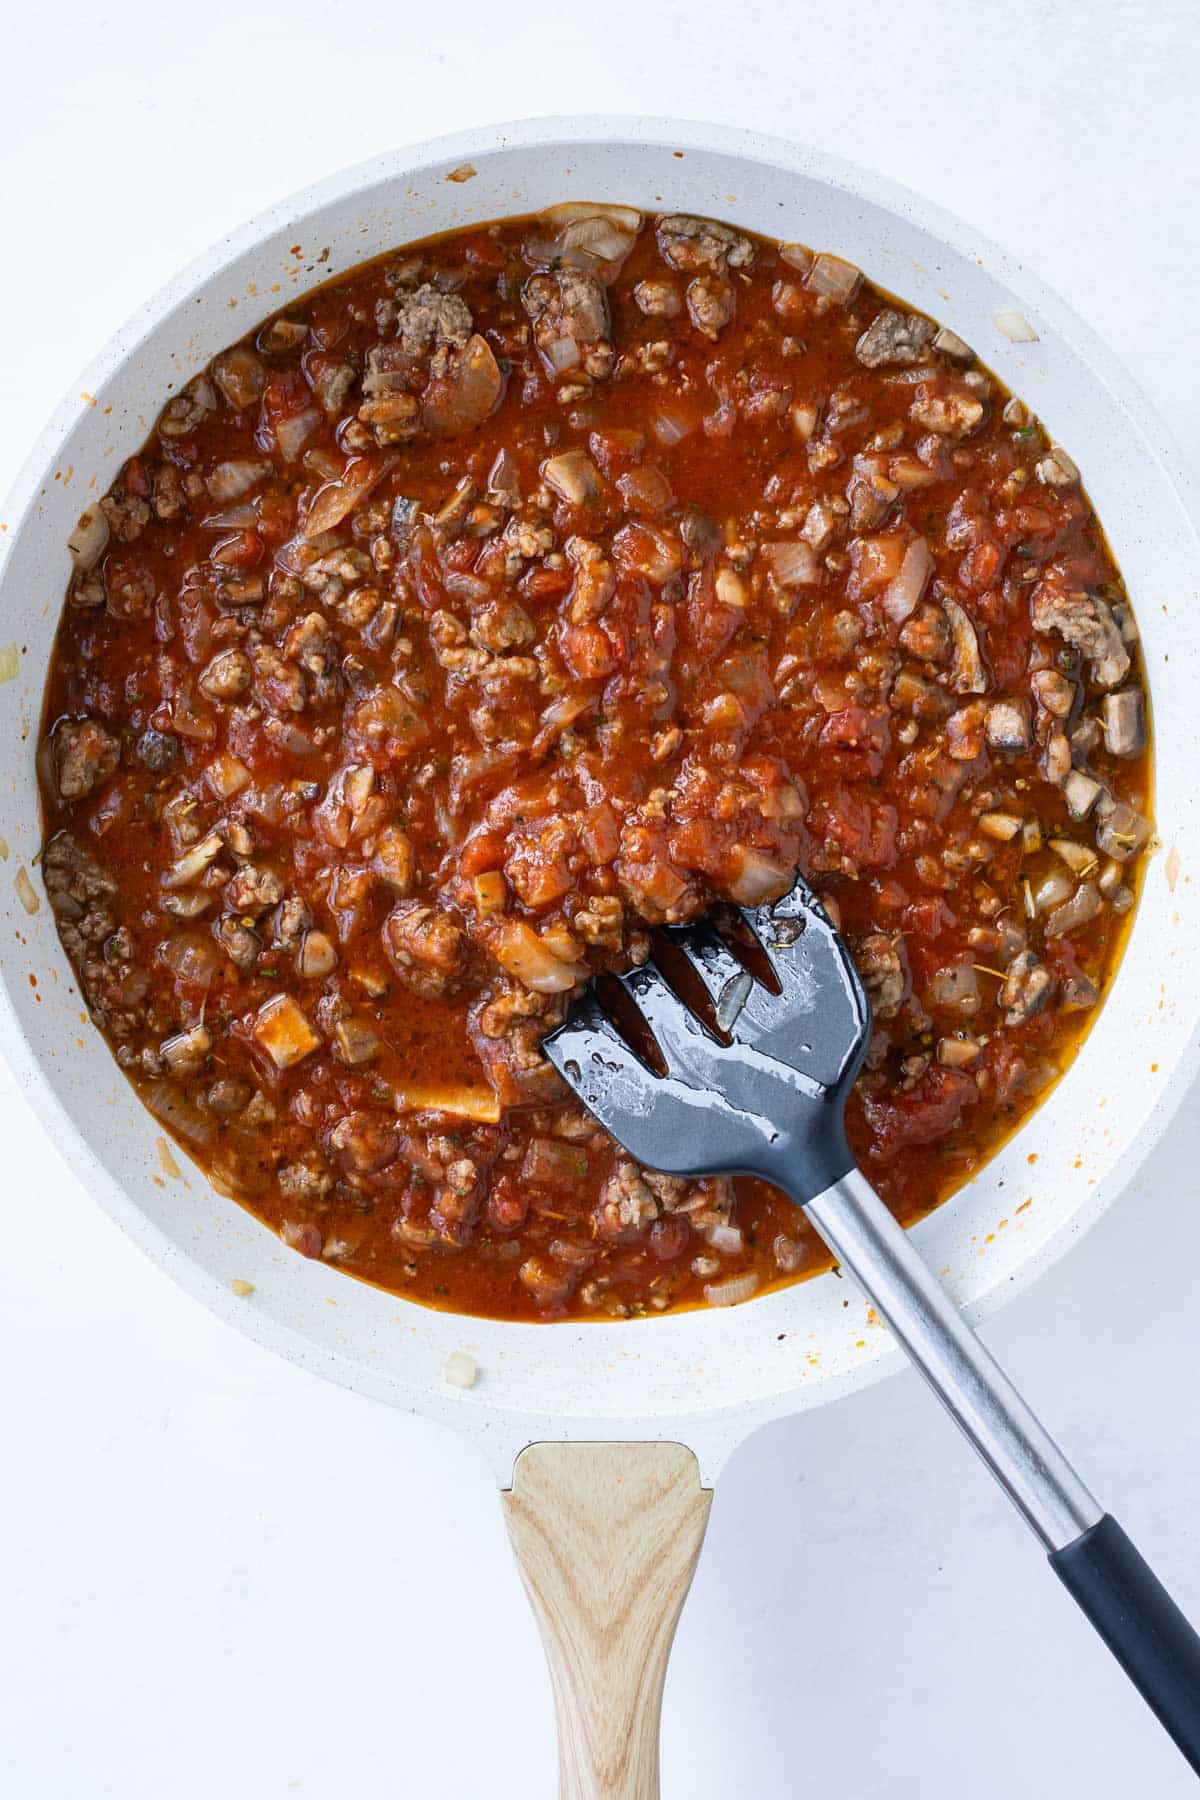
[707, 1378]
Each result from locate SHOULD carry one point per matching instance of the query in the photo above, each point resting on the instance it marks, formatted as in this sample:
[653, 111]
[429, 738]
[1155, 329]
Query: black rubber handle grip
[1140, 1623]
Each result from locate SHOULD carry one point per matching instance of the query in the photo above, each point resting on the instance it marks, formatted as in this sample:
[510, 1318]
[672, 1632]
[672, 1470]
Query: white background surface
[218, 1576]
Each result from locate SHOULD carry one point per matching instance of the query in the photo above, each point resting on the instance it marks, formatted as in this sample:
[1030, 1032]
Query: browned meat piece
[252, 890]
[364, 1142]
[626, 1203]
[312, 645]
[710, 304]
[894, 337]
[1055, 695]
[83, 897]
[240, 944]
[428, 320]
[292, 920]
[390, 370]
[228, 675]
[569, 312]
[424, 946]
[658, 299]
[1027, 988]
[927, 633]
[1087, 623]
[696, 245]
[331, 383]
[877, 958]
[85, 754]
[278, 683]
[965, 730]
[304, 1183]
[157, 751]
[392, 418]
[946, 408]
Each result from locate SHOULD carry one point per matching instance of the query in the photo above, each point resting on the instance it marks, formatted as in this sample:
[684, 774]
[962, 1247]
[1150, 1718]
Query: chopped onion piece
[227, 775]
[191, 865]
[757, 876]
[519, 949]
[1051, 890]
[332, 502]
[726, 1240]
[1080, 858]
[88, 541]
[179, 1114]
[951, 345]
[563, 353]
[733, 1291]
[230, 480]
[468, 395]
[903, 593]
[792, 564]
[460, 1370]
[1016, 328]
[232, 518]
[1002, 826]
[568, 212]
[1081, 909]
[192, 958]
[10, 662]
[1057, 469]
[670, 426]
[292, 434]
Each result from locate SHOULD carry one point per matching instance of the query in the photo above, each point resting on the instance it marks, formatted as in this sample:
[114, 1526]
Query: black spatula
[758, 1087]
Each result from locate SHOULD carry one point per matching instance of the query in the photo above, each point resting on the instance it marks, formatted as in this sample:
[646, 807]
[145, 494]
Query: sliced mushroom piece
[1008, 726]
[967, 675]
[1123, 717]
[894, 337]
[1079, 993]
[573, 477]
[1079, 910]
[1027, 988]
[316, 956]
[956, 988]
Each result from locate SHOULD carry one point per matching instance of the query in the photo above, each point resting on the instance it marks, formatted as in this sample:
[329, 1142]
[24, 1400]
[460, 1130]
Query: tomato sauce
[524, 591]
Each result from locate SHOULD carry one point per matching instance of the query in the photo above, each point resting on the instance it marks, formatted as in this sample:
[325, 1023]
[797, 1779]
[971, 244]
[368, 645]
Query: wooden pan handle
[606, 1538]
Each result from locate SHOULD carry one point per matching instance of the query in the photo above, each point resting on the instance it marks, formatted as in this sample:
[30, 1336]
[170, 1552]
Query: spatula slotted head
[761, 1082]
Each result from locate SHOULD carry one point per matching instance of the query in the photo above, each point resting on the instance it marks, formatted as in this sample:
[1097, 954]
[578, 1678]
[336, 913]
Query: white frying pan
[632, 1422]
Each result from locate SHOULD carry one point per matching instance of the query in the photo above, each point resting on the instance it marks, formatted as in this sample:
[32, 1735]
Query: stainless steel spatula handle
[1096, 1562]
[982, 1401]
